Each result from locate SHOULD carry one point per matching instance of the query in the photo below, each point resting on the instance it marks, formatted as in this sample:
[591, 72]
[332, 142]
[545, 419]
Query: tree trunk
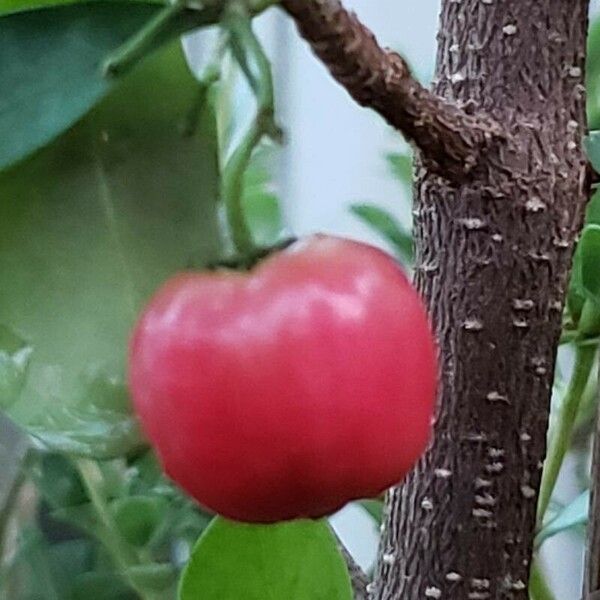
[493, 257]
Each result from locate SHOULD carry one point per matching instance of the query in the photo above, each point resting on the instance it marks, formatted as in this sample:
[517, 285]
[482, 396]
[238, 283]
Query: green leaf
[86, 431]
[388, 227]
[298, 560]
[58, 481]
[101, 586]
[260, 203]
[83, 517]
[593, 74]
[89, 228]
[137, 517]
[155, 577]
[54, 74]
[14, 362]
[14, 6]
[264, 217]
[593, 210]
[38, 579]
[577, 295]
[592, 148]
[401, 166]
[570, 516]
[374, 507]
[589, 250]
[50, 72]
[69, 560]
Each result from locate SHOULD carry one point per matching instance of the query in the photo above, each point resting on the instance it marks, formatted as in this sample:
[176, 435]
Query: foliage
[74, 37]
[77, 259]
[383, 223]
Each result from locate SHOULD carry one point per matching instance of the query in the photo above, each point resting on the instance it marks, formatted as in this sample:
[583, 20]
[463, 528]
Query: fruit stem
[210, 76]
[232, 191]
[256, 67]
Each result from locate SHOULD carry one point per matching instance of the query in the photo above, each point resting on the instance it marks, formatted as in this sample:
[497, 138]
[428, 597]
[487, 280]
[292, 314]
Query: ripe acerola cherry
[289, 390]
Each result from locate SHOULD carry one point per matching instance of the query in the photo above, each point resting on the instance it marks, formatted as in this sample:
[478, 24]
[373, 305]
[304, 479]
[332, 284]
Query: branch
[358, 577]
[381, 79]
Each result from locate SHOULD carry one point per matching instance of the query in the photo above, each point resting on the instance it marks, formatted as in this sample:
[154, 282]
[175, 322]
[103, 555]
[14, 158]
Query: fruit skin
[290, 390]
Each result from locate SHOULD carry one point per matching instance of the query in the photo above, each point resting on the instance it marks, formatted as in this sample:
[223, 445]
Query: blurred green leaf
[14, 362]
[101, 586]
[155, 577]
[589, 251]
[374, 507]
[68, 561]
[183, 523]
[138, 517]
[570, 516]
[401, 166]
[51, 72]
[32, 572]
[83, 517]
[264, 218]
[576, 294]
[13, 6]
[50, 68]
[298, 560]
[58, 481]
[592, 148]
[593, 210]
[260, 203]
[388, 227]
[89, 227]
[593, 74]
[87, 431]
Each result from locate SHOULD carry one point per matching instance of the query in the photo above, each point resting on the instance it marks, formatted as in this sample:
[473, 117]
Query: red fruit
[290, 390]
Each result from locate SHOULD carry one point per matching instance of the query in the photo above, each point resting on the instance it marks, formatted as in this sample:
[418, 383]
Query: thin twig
[451, 139]
[591, 580]
[560, 439]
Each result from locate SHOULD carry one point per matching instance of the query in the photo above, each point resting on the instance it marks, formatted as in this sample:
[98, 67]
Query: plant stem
[538, 586]
[573, 337]
[169, 23]
[143, 41]
[209, 77]
[246, 47]
[232, 191]
[255, 64]
[123, 555]
[561, 438]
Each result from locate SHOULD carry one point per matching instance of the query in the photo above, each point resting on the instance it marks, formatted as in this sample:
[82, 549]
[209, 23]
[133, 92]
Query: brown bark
[493, 256]
[453, 140]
